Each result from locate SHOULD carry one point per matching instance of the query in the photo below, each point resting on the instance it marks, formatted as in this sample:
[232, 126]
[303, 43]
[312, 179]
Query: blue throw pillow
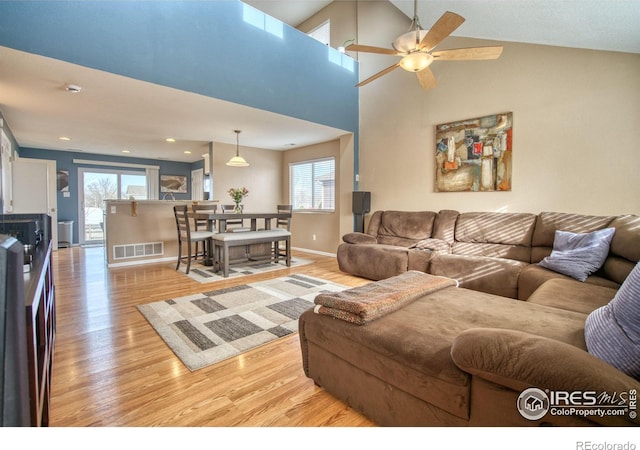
[612, 332]
[578, 255]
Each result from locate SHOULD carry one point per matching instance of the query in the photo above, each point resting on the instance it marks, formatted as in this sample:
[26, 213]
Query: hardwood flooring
[112, 369]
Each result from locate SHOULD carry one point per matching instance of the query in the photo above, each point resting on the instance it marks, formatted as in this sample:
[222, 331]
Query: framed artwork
[173, 183]
[474, 155]
[63, 180]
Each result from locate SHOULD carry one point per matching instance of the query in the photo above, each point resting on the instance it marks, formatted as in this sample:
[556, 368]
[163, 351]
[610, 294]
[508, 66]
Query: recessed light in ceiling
[73, 88]
[187, 152]
[170, 140]
[64, 138]
[126, 151]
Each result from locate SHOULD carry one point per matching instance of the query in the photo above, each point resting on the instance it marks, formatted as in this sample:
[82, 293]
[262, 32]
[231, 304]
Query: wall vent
[138, 250]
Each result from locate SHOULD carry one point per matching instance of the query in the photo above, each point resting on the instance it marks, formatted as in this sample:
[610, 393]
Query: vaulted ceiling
[36, 114]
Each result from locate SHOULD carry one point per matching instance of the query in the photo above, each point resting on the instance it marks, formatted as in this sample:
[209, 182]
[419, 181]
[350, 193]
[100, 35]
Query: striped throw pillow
[612, 332]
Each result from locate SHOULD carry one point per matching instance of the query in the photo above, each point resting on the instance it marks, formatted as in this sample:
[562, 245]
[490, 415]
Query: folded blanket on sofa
[363, 304]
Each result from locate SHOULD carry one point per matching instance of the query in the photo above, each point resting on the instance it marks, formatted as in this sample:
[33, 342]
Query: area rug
[206, 328]
[206, 274]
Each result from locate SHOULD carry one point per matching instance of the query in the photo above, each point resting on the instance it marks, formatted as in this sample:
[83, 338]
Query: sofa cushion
[578, 255]
[612, 332]
[497, 276]
[566, 293]
[548, 222]
[373, 261]
[497, 235]
[444, 225]
[432, 245]
[358, 238]
[625, 248]
[533, 276]
[495, 228]
[405, 228]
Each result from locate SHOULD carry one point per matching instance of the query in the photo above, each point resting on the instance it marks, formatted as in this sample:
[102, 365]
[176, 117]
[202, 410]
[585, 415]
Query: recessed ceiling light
[126, 151]
[64, 138]
[170, 140]
[73, 88]
[187, 152]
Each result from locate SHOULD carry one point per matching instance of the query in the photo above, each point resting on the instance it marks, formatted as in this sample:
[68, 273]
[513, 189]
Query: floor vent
[138, 250]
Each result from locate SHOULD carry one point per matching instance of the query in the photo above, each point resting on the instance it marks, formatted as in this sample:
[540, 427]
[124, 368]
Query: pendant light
[237, 161]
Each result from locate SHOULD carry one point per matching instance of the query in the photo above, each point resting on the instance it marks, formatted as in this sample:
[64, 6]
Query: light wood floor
[112, 369]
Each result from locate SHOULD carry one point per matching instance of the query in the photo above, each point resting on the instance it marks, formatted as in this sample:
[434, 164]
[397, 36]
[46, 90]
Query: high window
[312, 185]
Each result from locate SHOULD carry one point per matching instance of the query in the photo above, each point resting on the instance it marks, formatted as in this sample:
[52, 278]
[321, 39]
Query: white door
[197, 184]
[34, 190]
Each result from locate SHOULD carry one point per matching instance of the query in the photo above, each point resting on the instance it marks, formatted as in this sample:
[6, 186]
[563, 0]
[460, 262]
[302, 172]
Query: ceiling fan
[416, 45]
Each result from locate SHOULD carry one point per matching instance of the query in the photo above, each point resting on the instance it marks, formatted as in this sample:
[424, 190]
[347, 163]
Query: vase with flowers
[238, 194]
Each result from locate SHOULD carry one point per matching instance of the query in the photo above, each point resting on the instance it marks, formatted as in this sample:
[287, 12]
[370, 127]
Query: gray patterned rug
[205, 274]
[206, 328]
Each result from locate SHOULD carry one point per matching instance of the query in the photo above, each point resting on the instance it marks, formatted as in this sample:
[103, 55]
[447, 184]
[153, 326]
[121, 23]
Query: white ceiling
[592, 24]
[113, 113]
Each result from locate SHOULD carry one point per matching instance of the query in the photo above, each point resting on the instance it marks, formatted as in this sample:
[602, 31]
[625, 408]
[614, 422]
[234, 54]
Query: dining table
[217, 221]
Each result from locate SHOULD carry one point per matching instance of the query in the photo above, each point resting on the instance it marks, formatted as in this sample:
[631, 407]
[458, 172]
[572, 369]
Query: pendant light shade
[237, 161]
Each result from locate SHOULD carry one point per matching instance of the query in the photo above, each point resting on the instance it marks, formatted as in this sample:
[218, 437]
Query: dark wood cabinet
[41, 331]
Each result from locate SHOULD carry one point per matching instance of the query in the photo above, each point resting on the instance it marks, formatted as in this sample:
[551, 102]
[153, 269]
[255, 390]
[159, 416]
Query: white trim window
[312, 185]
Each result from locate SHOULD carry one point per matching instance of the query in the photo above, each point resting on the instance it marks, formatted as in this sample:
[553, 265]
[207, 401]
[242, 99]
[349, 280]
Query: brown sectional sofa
[462, 356]
[489, 252]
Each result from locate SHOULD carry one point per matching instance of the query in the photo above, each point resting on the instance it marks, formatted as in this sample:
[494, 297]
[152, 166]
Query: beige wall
[576, 115]
[262, 178]
[267, 179]
[325, 226]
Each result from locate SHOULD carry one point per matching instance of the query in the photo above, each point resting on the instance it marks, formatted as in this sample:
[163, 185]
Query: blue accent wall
[68, 206]
[221, 49]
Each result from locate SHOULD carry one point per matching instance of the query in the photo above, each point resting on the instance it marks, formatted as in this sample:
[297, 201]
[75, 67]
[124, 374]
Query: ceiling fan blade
[462, 54]
[427, 79]
[440, 30]
[378, 75]
[371, 49]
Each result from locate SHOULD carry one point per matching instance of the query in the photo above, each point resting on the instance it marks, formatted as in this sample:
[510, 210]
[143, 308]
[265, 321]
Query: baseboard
[143, 261]
[317, 252]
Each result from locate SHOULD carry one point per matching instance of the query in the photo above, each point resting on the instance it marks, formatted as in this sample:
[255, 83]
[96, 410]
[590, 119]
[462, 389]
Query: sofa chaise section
[416, 367]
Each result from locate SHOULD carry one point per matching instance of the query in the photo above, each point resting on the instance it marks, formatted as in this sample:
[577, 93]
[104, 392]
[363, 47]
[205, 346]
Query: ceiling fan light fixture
[237, 161]
[409, 41]
[417, 61]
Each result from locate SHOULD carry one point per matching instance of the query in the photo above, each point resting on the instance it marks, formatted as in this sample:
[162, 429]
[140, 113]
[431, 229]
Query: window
[260, 20]
[322, 33]
[98, 185]
[313, 185]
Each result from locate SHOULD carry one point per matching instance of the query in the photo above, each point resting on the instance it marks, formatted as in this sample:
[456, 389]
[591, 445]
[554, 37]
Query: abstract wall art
[475, 155]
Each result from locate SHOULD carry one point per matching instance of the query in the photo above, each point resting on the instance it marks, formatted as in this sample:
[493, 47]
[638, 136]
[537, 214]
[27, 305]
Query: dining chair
[279, 248]
[188, 237]
[233, 224]
[284, 223]
[202, 223]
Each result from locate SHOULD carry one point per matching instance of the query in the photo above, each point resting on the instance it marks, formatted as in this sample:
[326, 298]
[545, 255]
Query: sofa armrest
[520, 360]
[359, 238]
